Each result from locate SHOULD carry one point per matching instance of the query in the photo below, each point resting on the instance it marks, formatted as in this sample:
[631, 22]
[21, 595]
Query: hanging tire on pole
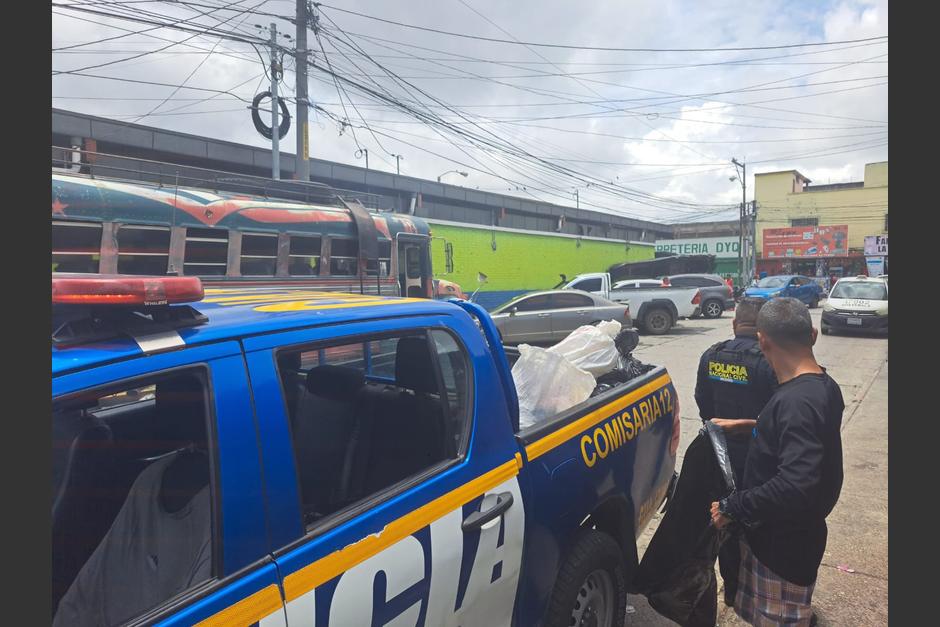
[263, 128]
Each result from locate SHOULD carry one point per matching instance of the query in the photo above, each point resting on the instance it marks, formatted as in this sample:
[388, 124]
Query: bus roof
[238, 313]
[80, 197]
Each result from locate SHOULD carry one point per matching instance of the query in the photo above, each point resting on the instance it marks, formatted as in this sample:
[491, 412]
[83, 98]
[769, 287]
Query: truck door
[388, 512]
[158, 516]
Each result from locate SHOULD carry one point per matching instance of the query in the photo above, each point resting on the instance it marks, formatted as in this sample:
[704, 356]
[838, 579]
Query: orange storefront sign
[806, 241]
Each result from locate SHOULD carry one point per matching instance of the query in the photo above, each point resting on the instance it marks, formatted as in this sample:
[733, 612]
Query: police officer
[734, 383]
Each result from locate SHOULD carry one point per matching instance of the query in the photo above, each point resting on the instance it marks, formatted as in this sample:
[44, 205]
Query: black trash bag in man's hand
[677, 572]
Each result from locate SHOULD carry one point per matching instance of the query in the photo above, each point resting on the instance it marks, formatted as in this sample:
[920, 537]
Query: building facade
[821, 230]
[721, 239]
[511, 258]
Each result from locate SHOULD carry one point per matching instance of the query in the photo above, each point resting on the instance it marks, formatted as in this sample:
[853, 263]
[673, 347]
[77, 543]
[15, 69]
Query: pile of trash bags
[590, 361]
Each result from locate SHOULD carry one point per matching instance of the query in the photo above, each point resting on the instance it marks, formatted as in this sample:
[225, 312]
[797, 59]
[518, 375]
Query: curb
[862, 394]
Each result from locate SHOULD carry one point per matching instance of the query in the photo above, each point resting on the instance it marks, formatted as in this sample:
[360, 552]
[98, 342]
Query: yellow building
[818, 230]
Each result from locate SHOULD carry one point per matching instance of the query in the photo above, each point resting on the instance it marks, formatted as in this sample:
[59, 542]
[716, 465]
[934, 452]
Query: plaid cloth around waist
[765, 600]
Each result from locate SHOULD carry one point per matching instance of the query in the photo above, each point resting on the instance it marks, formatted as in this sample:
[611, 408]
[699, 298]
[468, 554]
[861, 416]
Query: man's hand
[718, 519]
[733, 425]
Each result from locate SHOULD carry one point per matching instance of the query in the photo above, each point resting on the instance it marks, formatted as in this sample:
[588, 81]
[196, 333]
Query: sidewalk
[858, 526]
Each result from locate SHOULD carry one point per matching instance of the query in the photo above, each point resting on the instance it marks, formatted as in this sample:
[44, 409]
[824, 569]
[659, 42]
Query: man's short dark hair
[787, 322]
[746, 311]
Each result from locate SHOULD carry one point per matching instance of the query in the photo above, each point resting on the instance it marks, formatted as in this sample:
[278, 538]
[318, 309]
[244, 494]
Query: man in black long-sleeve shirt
[792, 477]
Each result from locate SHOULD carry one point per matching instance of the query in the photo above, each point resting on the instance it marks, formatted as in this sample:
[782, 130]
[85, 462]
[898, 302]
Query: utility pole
[361, 152]
[743, 179]
[398, 159]
[577, 199]
[754, 236]
[275, 134]
[302, 169]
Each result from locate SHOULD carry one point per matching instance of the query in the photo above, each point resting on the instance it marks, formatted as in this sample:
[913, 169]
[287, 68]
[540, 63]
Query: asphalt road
[858, 526]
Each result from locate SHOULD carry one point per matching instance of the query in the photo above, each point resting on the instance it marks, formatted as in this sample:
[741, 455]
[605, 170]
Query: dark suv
[716, 295]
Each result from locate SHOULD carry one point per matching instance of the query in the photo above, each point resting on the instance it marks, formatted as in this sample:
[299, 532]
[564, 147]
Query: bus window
[384, 261]
[143, 249]
[258, 254]
[304, 256]
[343, 257]
[413, 262]
[76, 246]
[206, 252]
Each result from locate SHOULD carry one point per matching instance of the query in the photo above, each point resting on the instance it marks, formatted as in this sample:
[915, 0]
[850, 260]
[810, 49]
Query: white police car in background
[857, 303]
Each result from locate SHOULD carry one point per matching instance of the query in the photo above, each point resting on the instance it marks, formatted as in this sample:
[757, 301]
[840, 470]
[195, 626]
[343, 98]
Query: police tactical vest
[733, 373]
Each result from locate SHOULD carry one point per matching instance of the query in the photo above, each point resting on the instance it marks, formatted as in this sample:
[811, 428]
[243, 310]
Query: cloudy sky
[629, 102]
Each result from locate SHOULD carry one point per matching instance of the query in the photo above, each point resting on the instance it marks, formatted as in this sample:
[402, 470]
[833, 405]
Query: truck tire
[713, 308]
[657, 321]
[591, 588]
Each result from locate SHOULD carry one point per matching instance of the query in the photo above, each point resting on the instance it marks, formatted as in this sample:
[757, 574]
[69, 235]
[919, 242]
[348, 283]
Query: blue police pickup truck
[278, 457]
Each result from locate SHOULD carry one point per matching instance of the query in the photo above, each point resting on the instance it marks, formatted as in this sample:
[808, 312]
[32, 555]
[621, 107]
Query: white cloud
[777, 132]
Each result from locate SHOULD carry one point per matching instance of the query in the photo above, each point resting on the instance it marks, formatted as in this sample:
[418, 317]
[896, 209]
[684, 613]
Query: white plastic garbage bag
[547, 384]
[610, 327]
[592, 348]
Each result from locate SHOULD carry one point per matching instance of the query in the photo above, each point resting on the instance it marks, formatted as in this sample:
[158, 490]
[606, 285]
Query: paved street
[858, 526]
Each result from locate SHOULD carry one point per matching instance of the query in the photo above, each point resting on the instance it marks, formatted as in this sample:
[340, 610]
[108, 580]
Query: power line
[597, 48]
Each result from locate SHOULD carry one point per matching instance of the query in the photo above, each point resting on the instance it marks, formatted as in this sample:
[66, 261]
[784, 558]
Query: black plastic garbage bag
[677, 572]
[630, 367]
[626, 341]
[716, 436]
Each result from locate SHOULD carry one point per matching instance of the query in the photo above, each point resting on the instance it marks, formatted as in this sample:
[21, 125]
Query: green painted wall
[524, 261]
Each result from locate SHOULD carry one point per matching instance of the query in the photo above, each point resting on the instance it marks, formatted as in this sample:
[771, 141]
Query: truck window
[133, 498]
[370, 414]
[587, 285]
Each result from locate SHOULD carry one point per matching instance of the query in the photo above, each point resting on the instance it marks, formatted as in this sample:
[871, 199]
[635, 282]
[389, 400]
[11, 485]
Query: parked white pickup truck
[655, 307]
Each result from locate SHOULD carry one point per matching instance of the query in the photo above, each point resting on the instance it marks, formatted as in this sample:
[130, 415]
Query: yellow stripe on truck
[309, 577]
[247, 611]
[557, 438]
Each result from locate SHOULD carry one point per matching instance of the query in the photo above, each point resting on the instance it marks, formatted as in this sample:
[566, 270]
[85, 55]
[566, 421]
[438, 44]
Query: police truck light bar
[125, 290]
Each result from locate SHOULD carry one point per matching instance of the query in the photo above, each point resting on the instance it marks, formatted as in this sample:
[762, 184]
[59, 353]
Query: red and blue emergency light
[118, 289]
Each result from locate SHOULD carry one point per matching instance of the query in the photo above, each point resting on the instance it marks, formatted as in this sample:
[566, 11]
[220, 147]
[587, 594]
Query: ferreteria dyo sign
[721, 247]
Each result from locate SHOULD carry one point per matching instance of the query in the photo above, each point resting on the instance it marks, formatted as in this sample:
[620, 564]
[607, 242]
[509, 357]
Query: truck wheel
[712, 309]
[591, 588]
[657, 322]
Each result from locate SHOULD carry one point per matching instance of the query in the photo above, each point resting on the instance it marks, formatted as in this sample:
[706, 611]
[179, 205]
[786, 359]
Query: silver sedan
[551, 315]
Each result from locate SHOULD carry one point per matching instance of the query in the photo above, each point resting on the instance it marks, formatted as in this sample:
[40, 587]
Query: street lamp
[463, 174]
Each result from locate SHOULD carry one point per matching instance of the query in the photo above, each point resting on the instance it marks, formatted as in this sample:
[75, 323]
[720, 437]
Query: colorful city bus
[105, 226]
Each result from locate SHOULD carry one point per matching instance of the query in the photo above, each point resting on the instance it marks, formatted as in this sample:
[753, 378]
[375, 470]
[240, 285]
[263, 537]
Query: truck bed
[609, 458]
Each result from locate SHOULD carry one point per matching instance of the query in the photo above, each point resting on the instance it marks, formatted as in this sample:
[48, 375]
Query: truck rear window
[132, 500]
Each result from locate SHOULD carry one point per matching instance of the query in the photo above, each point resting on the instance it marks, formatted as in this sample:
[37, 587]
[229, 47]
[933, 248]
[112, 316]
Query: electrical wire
[596, 48]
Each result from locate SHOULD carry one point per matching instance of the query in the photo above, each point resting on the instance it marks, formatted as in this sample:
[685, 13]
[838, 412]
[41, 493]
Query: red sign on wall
[806, 241]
